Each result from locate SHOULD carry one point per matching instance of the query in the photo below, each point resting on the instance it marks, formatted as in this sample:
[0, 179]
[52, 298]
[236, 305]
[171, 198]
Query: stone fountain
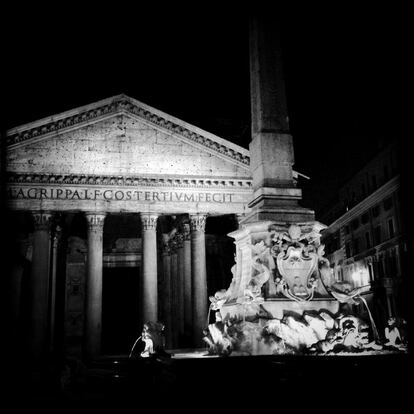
[283, 297]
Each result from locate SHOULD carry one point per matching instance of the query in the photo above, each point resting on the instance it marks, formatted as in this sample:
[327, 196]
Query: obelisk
[274, 274]
[276, 196]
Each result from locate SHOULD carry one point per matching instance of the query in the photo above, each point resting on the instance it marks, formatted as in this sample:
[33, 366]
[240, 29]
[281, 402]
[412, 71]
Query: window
[371, 276]
[365, 218]
[375, 211]
[388, 203]
[380, 268]
[367, 240]
[377, 234]
[356, 246]
[391, 265]
[335, 241]
[346, 229]
[391, 228]
[348, 249]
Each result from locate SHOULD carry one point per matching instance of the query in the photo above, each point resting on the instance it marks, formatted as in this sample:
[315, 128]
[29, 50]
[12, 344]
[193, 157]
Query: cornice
[370, 201]
[123, 104]
[129, 181]
[375, 250]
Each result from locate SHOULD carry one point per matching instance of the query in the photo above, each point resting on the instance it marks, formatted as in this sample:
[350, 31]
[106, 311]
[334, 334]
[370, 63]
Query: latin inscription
[38, 193]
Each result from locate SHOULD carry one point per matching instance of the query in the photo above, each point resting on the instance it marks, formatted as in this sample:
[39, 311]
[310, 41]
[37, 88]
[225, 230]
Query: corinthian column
[198, 276]
[180, 286]
[166, 263]
[174, 292]
[93, 288]
[39, 287]
[55, 246]
[149, 267]
[188, 307]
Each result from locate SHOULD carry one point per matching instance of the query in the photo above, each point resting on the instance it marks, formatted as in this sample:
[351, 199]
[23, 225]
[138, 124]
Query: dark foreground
[207, 383]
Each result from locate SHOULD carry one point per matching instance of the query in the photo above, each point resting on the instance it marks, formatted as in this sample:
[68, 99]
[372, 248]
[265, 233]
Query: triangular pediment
[123, 136]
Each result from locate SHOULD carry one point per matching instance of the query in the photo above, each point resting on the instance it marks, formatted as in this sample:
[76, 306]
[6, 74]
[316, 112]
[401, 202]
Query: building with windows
[366, 241]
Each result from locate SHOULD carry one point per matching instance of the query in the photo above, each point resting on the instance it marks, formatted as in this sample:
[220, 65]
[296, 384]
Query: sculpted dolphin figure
[345, 295]
[343, 292]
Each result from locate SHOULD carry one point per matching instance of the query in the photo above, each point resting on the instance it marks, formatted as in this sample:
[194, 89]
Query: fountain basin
[278, 308]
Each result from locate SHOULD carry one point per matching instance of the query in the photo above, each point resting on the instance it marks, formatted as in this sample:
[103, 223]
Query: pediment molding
[123, 104]
[130, 181]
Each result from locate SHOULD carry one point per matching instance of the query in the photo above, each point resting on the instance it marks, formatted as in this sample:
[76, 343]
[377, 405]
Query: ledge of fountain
[279, 307]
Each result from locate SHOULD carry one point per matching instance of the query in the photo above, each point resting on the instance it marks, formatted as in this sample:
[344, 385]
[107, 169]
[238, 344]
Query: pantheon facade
[109, 205]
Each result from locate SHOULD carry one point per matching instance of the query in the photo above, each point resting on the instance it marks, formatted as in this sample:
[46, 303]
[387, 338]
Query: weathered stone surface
[123, 163]
[116, 146]
[271, 160]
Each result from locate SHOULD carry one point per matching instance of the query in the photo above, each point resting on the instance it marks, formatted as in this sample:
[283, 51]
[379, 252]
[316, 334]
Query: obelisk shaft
[267, 86]
[275, 194]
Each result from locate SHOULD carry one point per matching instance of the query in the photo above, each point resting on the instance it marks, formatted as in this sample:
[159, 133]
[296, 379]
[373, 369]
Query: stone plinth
[271, 211]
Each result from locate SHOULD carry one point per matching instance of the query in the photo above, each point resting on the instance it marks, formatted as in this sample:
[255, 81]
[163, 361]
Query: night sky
[343, 74]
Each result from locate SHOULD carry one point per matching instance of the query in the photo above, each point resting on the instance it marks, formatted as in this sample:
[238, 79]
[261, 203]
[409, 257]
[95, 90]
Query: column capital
[42, 220]
[149, 221]
[95, 220]
[198, 222]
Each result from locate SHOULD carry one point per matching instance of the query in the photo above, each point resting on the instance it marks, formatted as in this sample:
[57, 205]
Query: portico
[120, 157]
